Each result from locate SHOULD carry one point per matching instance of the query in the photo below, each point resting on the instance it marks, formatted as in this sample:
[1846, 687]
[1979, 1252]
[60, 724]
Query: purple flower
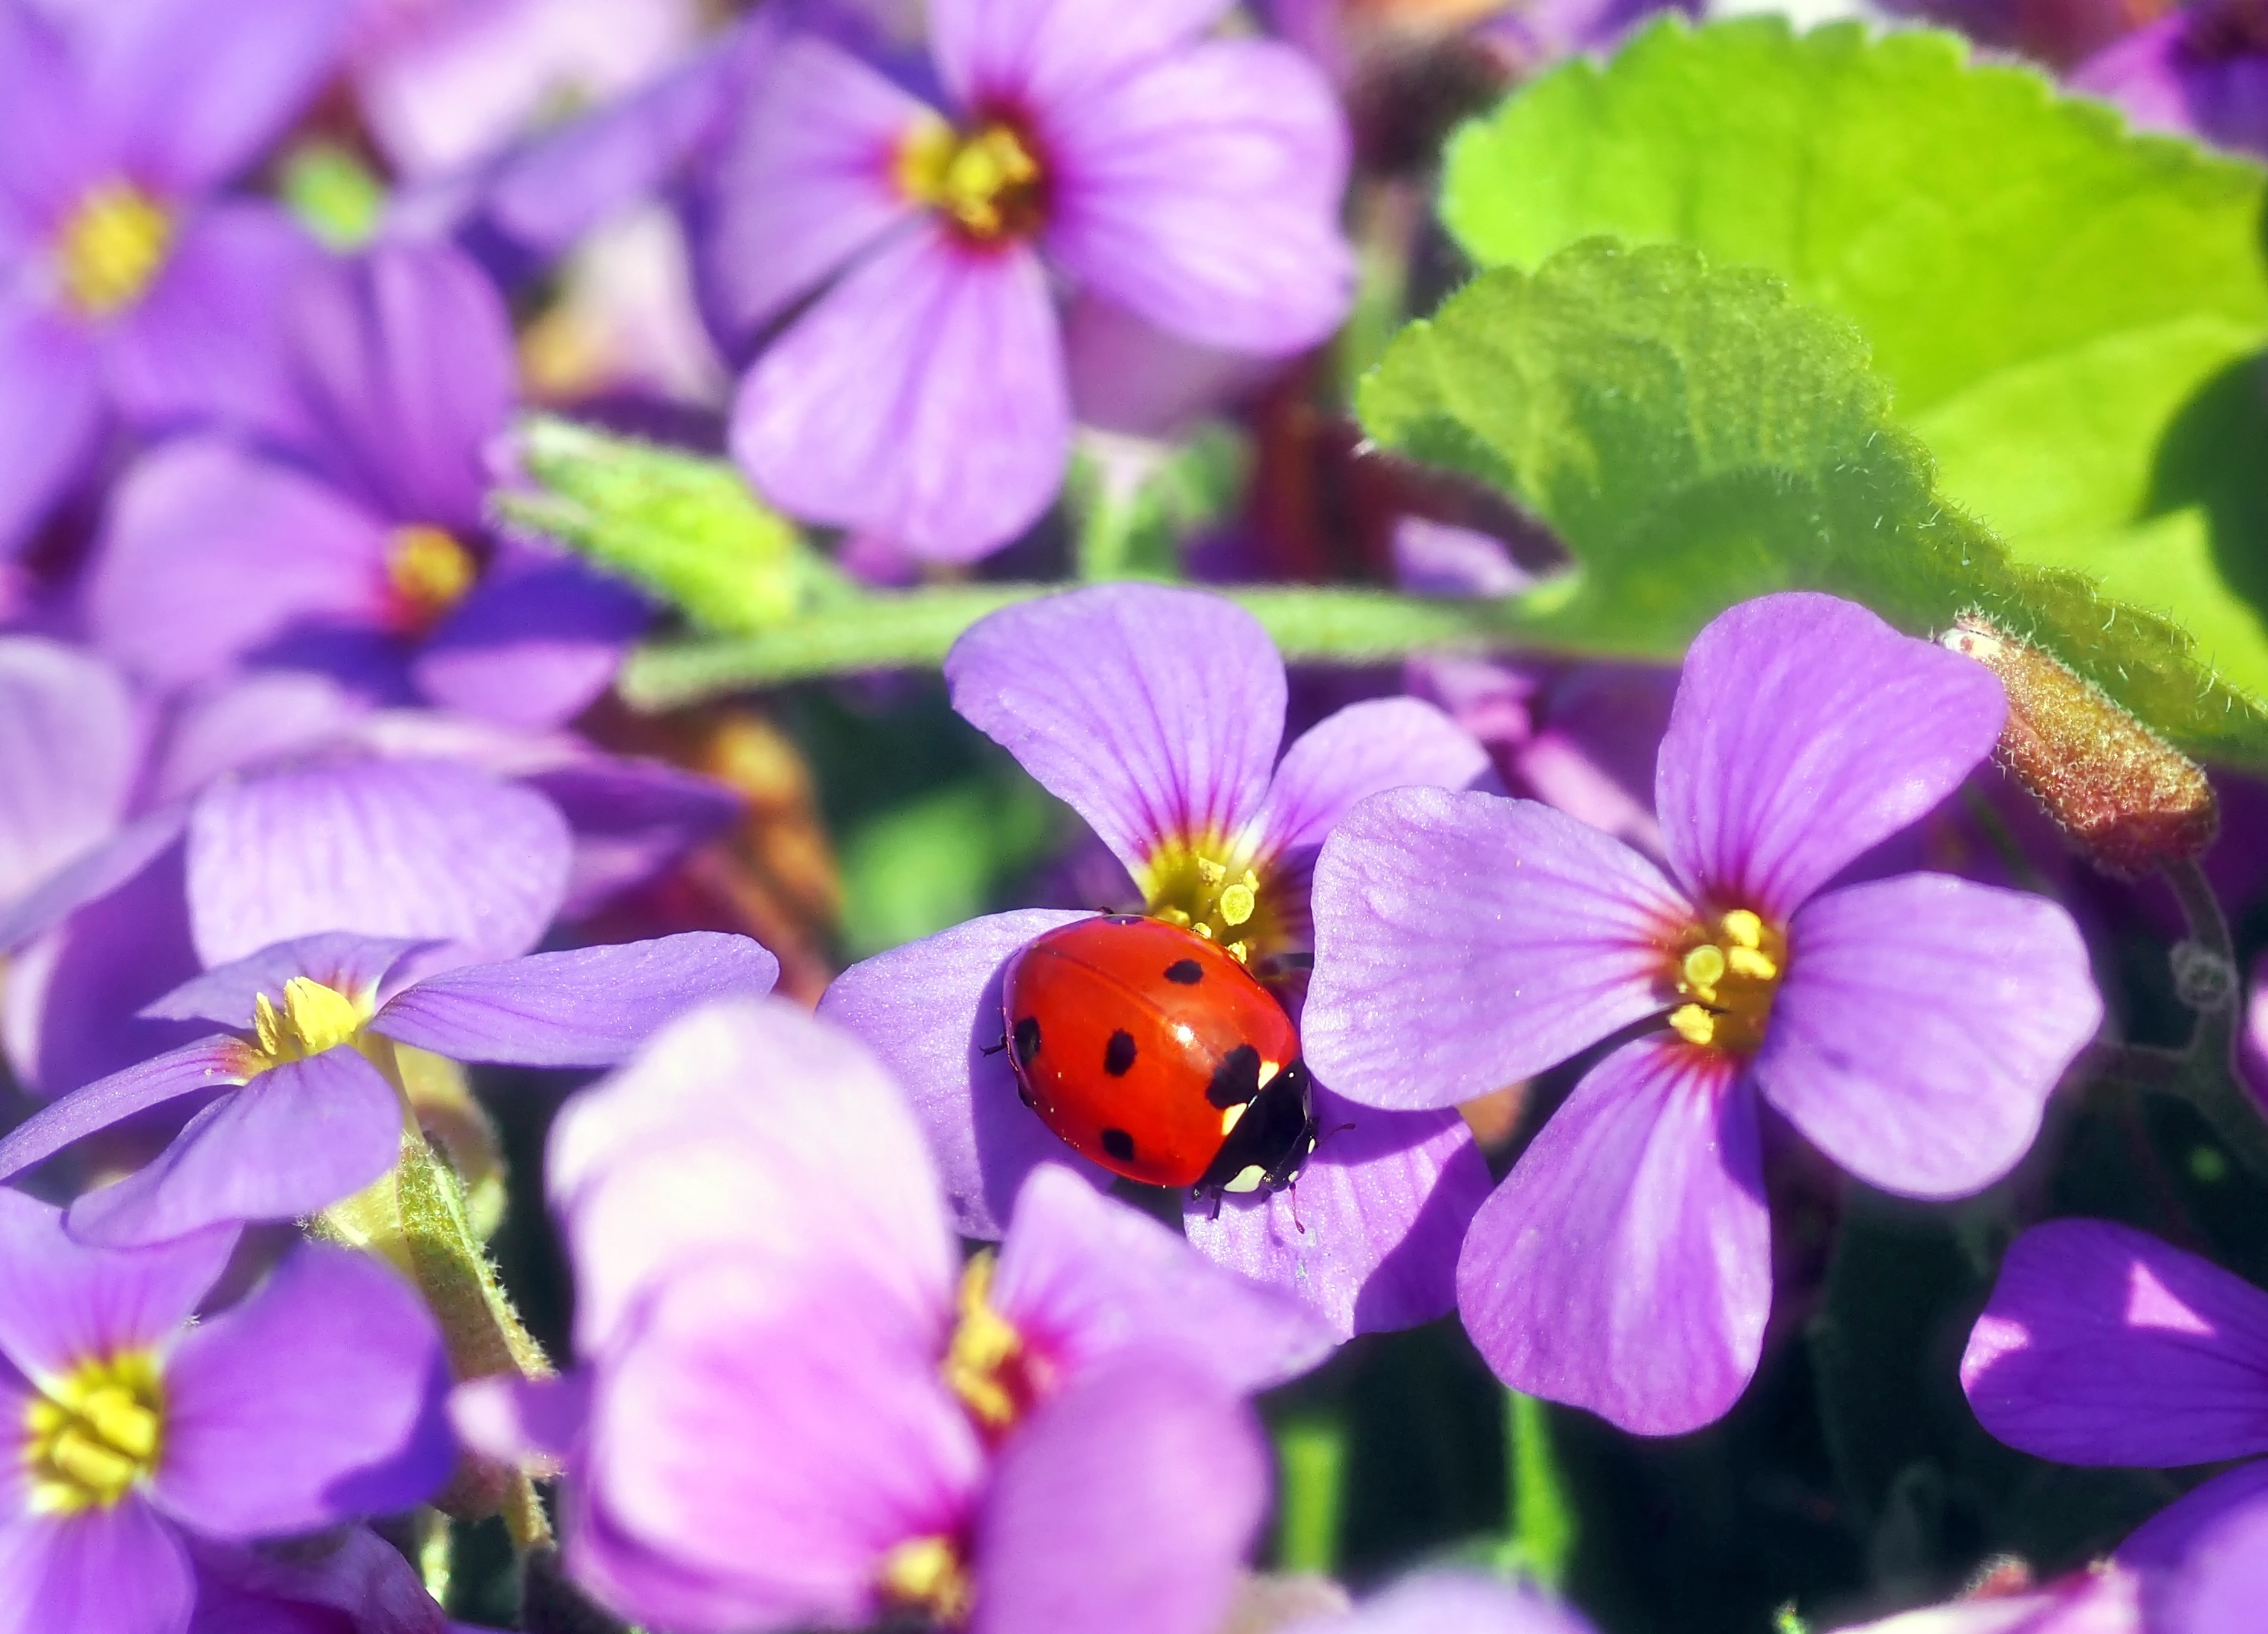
[129, 289]
[1195, 182]
[790, 1412]
[1156, 714]
[1451, 1602]
[376, 566]
[139, 1436]
[1912, 1028]
[2200, 71]
[2106, 1599]
[350, 1582]
[304, 1105]
[2102, 1345]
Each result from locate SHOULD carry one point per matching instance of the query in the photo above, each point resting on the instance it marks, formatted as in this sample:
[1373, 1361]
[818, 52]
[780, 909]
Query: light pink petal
[922, 398]
[2091, 1601]
[1365, 749]
[2102, 1345]
[531, 1422]
[806, 180]
[1625, 1264]
[70, 742]
[51, 414]
[1153, 712]
[1050, 53]
[747, 1125]
[1465, 941]
[419, 849]
[1806, 731]
[1924, 1022]
[1369, 1236]
[1440, 1602]
[1203, 192]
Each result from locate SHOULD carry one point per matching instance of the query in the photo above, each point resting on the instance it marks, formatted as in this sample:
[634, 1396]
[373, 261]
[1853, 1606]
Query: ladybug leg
[1291, 1195]
[994, 1049]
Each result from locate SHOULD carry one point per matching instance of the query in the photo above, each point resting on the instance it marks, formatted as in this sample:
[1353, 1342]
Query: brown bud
[2128, 800]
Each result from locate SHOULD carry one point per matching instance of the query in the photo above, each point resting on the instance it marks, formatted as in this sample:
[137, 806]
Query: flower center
[1219, 900]
[111, 247]
[1728, 974]
[91, 1437]
[427, 571]
[928, 1576]
[988, 180]
[315, 1019]
[997, 1376]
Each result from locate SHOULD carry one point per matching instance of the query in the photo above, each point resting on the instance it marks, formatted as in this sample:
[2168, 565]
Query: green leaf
[1133, 501]
[687, 528]
[2066, 313]
[1696, 437]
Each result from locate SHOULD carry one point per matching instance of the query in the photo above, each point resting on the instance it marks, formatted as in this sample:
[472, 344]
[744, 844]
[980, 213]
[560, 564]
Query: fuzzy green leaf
[2068, 314]
[1698, 437]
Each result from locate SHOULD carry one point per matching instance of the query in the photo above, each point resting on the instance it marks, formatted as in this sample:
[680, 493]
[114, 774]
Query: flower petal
[1154, 713]
[1051, 53]
[1455, 1602]
[862, 1448]
[1202, 191]
[804, 182]
[355, 966]
[1369, 1236]
[51, 414]
[922, 398]
[932, 1010]
[292, 1141]
[318, 1400]
[1125, 1505]
[1365, 749]
[2223, 1582]
[209, 552]
[748, 1126]
[385, 848]
[587, 1006]
[1625, 1264]
[531, 1422]
[1806, 731]
[2102, 1345]
[95, 874]
[351, 1571]
[63, 1304]
[2158, 1547]
[1080, 1276]
[1465, 941]
[531, 648]
[210, 1064]
[632, 820]
[1924, 1022]
[71, 744]
[95, 1572]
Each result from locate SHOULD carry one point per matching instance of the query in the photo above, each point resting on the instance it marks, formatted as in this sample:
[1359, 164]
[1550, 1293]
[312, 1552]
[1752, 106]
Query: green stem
[916, 628]
[1313, 1448]
[1539, 1530]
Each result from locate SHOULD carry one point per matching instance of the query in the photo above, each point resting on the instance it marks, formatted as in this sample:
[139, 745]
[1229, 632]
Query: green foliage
[941, 859]
[1542, 1522]
[687, 528]
[1132, 503]
[1696, 437]
[2066, 313]
[336, 195]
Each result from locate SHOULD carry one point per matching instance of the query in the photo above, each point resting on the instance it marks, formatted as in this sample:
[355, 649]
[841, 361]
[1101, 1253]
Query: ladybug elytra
[1151, 1052]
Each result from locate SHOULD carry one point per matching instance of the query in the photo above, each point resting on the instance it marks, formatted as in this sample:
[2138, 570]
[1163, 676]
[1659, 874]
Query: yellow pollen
[927, 1575]
[1729, 973]
[986, 179]
[315, 1019]
[111, 247]
[986, 1366]
[1192, 886]
[92, 1437]
[428, 573]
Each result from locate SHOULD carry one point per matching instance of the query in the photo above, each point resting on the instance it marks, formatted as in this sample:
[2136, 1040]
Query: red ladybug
[1151, 1052]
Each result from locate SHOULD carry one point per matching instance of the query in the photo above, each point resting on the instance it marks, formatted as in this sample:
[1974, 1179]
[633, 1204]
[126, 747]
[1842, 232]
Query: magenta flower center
[95, 1435]
[427, 571]
[928, 1576]
[111, 248]
[997, 1376]
[987, 181]
[1728, 971]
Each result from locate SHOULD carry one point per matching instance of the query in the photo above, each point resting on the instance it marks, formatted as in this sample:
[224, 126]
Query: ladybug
[1153, 1053]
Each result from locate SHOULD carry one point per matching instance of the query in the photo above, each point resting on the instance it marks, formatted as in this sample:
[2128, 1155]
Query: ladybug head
[1271, 1142]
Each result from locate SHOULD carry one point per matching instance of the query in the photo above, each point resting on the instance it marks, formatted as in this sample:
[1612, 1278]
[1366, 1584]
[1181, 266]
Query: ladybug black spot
[1118, 1054]
[1185, 972]
[1027, 1039]
[1236, 1080]
[1119, 1144]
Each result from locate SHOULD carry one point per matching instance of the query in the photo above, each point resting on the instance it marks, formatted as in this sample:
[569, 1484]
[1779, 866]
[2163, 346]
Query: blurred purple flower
[787, 1415]
[129, 290]
[1193, 182]
[2102, 1345]
[1452, 1602]
[304, 1104]
[1910, 1028]
[2105, 1599]
[315, 1401]
[1156, 715]
[375, 567]
[351, 1581]
[2201, 71]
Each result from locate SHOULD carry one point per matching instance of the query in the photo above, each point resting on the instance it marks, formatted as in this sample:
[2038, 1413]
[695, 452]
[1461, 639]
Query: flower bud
[2128, 800]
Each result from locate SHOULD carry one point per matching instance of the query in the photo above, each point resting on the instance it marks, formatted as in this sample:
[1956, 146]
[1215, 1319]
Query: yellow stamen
[1210, 889]
[986, 1366]
[111, 248]
[429, 571]
[1729, 972]
[93, 1436]
[986, 180]
[315, 1019]
[928, 1575]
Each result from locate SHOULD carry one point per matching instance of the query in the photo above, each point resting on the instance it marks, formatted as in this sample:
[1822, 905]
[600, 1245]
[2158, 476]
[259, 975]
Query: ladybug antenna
[1337, 1128]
